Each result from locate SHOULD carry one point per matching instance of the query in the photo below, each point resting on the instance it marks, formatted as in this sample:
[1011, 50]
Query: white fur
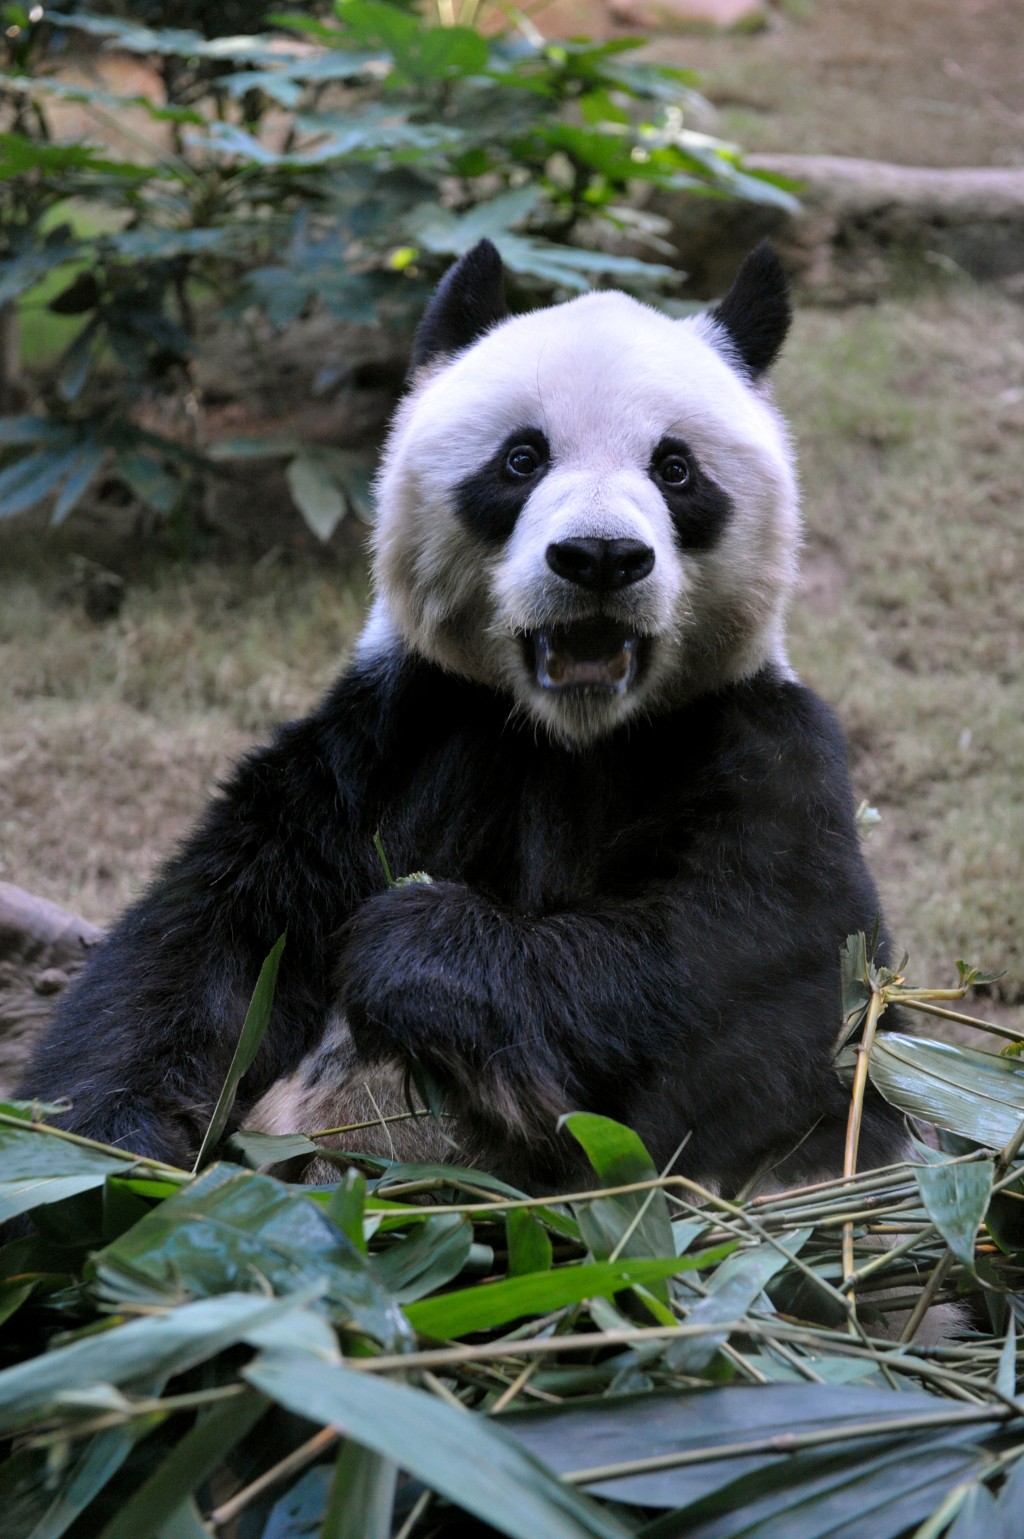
[606, 379]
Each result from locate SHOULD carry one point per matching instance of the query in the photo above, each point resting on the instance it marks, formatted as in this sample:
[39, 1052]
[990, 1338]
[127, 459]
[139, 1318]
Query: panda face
[590, 508]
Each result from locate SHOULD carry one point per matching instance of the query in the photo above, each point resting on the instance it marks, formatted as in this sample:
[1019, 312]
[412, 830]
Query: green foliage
[548, 1366]
[338, 162]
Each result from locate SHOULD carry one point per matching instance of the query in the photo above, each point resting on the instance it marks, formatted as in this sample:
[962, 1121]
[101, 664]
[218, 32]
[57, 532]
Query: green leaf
[78, 481]
[362, 1496]
[529, 1248]
[956, 1197]
[34, 477]
[233, 1230]
[259, 1149]
[472, 1462]
[253, 1027]
[980, 1517]
[150, 1349]
[185, 1523]
[430, 1257]
[145, 475]
[856, 985]
[316, 494]
[735, 1287]
[96, 1464]
[635, 1223]
[191, 1462]
[33, 430]
[978, 1095]
[1006, 1375]
[347, 1208]
[593, 1434]
[491, 1304]
[39, 1167]
[844, 1493]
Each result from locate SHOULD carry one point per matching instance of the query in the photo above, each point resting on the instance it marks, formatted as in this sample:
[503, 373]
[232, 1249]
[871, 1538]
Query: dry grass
[112, 735]
[921, 82]
[910, 419]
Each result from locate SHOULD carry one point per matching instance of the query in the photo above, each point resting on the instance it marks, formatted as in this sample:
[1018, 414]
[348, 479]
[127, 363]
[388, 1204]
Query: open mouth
[592, 655]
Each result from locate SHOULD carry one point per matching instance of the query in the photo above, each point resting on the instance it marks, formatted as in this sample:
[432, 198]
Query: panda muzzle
[591, 655]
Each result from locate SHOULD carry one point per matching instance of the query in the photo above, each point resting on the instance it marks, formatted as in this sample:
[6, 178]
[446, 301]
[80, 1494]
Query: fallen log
[863, 227]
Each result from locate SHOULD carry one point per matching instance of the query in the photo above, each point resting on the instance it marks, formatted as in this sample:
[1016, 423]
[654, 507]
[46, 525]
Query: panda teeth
[559, 666]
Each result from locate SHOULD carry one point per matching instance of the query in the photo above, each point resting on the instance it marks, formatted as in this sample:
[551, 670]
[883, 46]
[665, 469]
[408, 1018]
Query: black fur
[647, 928]
[700, 510]
[468, 301]
[756, 312]
[490, 501]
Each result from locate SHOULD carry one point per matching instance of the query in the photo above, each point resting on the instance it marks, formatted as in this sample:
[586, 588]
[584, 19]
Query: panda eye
[523, 461]
[673, 470]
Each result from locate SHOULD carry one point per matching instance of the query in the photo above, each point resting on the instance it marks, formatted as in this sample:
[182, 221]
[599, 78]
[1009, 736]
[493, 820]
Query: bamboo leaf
[259, 1149]
[192, 1461]
[695, 1424]
[235, 1230]
[347, 1208]
[472, 1462]
[253, 1027]
[529, 1248]
[362, 1496]
[634, 1223]
[491, 1304]
[93, 1467]
[977, 1095]
[956, 1197]
[430, 1257]
[152, 1349]
[1006, 1374]
[848, 1493]
[37, 1167]
[734, 1288]
[980, 1518]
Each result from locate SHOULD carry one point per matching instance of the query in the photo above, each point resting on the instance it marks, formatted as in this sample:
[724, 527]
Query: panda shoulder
[787, 727]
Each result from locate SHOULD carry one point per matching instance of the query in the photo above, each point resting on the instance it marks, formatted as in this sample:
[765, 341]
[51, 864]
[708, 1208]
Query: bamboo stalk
[785, 1442]
[289, 1465]
[860, 1080]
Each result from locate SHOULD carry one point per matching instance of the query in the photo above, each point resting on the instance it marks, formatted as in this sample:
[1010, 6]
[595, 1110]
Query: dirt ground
[909, 416]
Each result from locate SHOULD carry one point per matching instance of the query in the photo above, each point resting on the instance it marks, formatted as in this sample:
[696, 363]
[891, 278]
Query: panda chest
[541, 831]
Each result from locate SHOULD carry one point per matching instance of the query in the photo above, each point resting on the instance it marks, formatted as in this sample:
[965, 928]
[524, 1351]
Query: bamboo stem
[785, 1442]
[289, 1465]
[860, 1080]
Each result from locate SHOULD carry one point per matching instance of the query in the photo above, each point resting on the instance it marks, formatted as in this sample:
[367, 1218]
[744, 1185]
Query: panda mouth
[591, 655]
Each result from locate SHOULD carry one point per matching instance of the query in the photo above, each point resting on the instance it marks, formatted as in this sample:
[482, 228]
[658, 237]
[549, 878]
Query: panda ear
[755, 314]
[468, 301]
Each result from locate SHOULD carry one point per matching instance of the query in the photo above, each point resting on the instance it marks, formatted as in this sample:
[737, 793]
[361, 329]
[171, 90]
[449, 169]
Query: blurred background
[218, 226]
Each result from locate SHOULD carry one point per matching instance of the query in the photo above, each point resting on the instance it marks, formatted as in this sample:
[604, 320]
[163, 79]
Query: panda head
[590, 508]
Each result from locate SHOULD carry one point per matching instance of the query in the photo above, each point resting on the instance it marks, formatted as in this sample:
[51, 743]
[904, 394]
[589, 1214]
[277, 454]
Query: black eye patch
[699, 507]
[489, 501]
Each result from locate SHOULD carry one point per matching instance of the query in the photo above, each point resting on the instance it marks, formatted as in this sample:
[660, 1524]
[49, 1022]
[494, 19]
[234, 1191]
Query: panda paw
[411, 980]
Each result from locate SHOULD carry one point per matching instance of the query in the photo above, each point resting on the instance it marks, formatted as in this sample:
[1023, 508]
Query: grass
[919, 83]
[909, 423]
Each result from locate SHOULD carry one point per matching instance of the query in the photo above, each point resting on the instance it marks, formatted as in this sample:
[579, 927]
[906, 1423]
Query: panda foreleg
[522, 1018]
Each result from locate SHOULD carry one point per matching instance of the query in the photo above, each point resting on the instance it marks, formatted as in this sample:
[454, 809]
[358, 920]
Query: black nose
[600, 565]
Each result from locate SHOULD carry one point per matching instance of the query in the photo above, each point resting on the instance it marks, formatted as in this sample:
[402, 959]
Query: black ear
[469, 299]
[756, 312]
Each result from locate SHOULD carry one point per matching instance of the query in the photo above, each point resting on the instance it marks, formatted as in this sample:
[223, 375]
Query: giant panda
[571, 708]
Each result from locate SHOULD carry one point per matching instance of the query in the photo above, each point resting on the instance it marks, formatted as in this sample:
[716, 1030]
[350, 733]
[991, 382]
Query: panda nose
[600, 565]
